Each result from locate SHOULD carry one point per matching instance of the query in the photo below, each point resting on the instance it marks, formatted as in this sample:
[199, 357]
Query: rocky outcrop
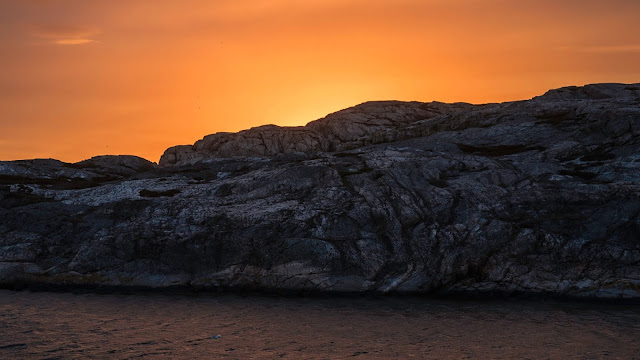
[537, 196]
[112, 166]
[368, 123]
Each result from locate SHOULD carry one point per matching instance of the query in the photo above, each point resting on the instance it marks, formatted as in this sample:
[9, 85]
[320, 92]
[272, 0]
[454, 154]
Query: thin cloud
[614, 49]
[73, 41]
[61, 34]
[607, 49]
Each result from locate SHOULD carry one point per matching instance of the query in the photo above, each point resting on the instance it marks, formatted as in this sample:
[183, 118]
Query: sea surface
[50, 325]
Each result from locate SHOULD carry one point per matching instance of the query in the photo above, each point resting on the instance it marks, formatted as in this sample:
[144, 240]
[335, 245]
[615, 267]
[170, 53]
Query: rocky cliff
[537, 196]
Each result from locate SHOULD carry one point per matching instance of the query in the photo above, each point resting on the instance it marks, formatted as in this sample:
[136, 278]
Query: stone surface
[537, 196]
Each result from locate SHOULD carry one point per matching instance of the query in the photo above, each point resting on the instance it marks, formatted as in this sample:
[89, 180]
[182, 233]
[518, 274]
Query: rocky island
[539, 196]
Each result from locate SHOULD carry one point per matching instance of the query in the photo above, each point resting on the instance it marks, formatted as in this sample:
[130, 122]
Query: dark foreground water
[45, 325]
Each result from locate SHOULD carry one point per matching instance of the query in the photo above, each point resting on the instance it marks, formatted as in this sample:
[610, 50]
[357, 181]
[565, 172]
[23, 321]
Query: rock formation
[539, 196]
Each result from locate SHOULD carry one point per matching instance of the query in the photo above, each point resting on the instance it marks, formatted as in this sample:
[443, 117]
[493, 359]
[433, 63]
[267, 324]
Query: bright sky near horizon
[81, 78]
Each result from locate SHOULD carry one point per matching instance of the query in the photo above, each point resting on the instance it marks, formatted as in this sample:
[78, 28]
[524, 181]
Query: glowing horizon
[81, 78]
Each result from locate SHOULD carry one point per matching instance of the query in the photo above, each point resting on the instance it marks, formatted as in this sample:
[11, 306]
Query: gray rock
[117, 164]
[537, 196]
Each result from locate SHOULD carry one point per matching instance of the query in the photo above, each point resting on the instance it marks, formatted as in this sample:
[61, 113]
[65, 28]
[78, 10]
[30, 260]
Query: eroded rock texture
[535, 196]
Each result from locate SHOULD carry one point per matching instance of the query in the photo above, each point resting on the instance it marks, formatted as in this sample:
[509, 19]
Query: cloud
[63, 34]
[73, 41]
[613, 49]
[605, 49]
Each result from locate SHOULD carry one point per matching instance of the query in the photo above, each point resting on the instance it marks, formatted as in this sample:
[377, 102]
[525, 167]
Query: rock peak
[593, 92]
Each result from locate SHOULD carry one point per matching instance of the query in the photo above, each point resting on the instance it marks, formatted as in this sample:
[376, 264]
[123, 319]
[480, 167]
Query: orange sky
[80, 78]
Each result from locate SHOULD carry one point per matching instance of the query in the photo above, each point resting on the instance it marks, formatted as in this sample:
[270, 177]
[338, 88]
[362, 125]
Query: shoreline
[437, 295]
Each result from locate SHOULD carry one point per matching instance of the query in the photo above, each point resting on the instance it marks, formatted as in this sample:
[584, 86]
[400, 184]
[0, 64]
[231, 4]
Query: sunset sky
[80, 78]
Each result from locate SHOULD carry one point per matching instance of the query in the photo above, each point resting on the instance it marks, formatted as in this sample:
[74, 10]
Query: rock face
[535, 196]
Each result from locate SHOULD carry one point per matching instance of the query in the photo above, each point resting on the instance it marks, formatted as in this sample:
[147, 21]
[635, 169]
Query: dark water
[67, 326]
